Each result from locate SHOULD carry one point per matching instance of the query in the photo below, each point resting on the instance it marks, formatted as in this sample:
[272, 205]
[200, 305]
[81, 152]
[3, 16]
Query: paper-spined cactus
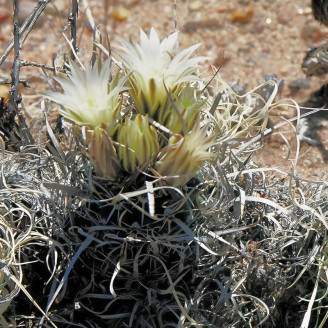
[130, 241]
[138, 143]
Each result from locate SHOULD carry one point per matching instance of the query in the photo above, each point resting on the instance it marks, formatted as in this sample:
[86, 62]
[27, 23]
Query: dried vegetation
[236, 246]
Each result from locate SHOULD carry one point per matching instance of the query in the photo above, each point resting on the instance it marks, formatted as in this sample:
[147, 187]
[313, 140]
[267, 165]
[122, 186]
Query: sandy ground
[246, 38]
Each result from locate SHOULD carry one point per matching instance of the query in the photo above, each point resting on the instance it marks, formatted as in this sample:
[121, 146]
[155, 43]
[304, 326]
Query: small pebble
[195, 5]
[307, 163]
[222, 10]
[284, 70]
[298, 84]
[284, 17]
[242, 16]
[121, 14]
[311, 33]
[308, 10]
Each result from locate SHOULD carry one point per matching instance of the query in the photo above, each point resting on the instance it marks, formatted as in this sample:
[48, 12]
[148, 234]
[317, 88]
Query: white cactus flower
[154, 64]
[88, 98]
[184, 156]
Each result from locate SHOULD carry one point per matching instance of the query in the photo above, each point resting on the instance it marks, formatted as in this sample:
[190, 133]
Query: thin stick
[13, 103]
[27, 25]
[25, 83]
[17, 48]
[175, 23]
[88, 13]
[72, 20]
[34, 64]
[175, 15]
[72, 49]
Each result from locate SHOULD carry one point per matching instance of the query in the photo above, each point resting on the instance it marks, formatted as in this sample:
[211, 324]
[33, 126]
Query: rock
[243, 16]
[311, 33]
[121, 14]
[195, 5]
[307, 11]
[298, 84]
[285, 17]
[193, 26]
[307, 163]
[284, 70]
[222, 9]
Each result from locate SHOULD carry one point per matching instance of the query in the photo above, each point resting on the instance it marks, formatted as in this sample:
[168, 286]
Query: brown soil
[247, 39]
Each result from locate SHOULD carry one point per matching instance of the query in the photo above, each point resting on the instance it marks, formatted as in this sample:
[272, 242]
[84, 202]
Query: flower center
[92, 102]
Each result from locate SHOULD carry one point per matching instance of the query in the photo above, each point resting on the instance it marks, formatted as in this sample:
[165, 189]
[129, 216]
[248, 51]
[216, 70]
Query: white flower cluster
[164, 87]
